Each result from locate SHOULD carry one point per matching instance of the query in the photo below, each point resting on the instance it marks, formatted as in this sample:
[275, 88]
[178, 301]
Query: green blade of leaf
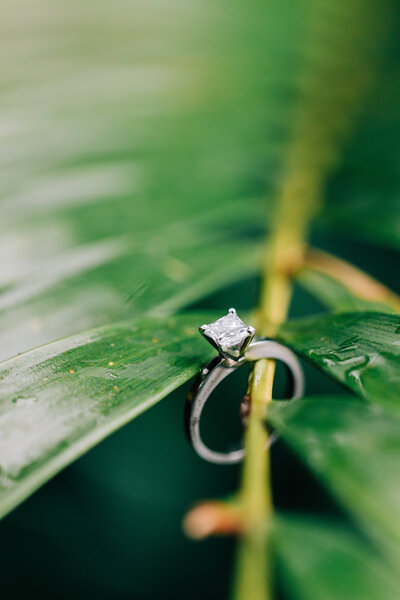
[319, 559]
[59, 400]
[150, 166]
[132, 165]
[354, 448]
[359, 350]
[107, 280]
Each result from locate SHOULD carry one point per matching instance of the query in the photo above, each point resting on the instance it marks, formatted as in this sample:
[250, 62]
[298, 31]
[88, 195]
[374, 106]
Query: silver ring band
[215, 372]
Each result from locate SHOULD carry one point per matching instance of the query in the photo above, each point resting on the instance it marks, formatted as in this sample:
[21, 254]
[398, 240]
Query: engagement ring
[236, 345]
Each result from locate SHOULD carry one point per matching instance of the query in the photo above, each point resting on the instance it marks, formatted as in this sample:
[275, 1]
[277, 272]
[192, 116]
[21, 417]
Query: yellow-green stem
[253, 578]
[330, 91]
[253, 560]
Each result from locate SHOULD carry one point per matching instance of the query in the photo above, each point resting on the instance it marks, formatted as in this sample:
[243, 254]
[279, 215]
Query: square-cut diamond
[228, 334]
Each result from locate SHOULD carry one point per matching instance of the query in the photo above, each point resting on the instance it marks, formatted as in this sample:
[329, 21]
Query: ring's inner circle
[221, 419]
[221, 424]
[283, 382]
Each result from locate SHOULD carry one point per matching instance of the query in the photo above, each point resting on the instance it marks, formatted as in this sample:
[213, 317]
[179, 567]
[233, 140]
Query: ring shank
[216, 372]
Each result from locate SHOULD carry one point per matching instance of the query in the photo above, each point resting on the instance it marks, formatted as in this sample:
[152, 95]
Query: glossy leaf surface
[359, 350]
[59, 400]
[104, 280]
[354, 448]
[130, 162]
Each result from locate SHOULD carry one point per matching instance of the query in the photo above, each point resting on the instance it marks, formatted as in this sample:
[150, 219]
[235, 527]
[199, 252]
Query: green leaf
[323, 560]
[65, 279]
[132, 162]
[359, 350]
[59, 400]
[354, 448]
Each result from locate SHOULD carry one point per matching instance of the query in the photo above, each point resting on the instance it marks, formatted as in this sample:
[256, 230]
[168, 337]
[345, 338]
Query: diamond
[229, 335]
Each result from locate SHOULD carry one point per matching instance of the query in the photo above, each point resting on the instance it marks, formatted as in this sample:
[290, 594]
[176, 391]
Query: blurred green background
[127, 123]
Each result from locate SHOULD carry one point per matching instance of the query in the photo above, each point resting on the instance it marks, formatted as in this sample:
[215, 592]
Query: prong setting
[229, 335]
